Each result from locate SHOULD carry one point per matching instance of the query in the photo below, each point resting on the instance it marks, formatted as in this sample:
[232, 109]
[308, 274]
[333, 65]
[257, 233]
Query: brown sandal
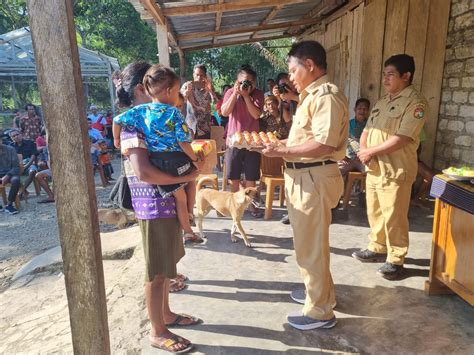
[169, 344]
[178, 322]
[177, 285]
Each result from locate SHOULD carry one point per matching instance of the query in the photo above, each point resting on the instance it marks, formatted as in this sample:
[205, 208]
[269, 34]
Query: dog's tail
[203, 181]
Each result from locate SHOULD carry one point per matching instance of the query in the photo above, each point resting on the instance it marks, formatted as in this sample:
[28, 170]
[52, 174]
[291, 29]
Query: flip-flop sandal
[177, 285]
[167, 345]
[183, 317]
[192, 239]
[181, 277]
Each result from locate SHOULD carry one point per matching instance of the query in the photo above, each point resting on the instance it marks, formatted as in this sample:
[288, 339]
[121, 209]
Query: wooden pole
[182, 65]
[111, 88]
[59, 80]
[163, 44]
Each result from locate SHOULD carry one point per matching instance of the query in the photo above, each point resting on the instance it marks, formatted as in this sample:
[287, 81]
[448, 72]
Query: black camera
[245, 85]
[282, 88]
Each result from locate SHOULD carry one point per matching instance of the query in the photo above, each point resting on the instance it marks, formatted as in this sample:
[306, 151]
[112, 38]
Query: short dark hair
[200, 66]
[309, 50]
[281, 76]
[404, 63]
[270, 80]
[362, 100]
[247, 69]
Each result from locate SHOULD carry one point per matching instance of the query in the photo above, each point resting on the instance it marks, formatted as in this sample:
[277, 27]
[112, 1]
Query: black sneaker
[285, 219]
[1, 208]
[390, 271]
[10, 209]
[367, 256]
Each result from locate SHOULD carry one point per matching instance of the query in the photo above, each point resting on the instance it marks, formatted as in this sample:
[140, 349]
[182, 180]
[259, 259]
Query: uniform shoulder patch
[324, 89]
[419, 111]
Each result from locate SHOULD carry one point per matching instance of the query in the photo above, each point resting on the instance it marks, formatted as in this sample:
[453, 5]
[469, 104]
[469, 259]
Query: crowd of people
[317, 141]
[24, 155]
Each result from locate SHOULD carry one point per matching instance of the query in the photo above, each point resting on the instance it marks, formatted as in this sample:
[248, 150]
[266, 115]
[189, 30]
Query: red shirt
[240, 118]
[98, 126]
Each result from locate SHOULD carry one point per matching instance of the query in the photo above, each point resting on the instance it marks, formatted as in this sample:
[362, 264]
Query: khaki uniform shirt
[403, 115]
[322, 115]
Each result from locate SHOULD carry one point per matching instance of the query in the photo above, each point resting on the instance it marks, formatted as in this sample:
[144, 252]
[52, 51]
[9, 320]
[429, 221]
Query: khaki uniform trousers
[311, 194]
[388, 201]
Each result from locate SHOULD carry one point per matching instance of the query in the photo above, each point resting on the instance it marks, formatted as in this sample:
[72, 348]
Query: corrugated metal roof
[198, 23]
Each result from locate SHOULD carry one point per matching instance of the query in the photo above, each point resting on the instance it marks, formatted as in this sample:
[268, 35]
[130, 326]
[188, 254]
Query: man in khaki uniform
[313, 183]
[388, 148]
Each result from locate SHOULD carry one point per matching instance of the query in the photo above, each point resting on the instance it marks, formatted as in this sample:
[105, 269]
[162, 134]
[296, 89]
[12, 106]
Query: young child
[167, 138]
[104, 158]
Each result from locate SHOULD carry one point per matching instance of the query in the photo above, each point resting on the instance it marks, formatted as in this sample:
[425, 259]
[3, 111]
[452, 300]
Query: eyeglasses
[14, 135]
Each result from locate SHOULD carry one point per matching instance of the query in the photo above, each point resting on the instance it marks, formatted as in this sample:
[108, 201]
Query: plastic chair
[352, 177]
[272, 176]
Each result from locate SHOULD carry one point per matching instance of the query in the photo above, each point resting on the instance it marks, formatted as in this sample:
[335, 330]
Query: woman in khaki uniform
[388, 148]
[313, 183]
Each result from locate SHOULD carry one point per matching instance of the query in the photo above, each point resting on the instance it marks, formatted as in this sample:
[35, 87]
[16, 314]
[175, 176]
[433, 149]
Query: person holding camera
[243, 105]
[199, 94]
[287, 97]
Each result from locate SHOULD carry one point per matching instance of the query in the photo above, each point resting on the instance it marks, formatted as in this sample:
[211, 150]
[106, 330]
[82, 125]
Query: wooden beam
[59, 80]
[218, 21]
[234, 6]
[156, 12]
[182, 65]
[269, 17]
[233, 31]
[234, 43]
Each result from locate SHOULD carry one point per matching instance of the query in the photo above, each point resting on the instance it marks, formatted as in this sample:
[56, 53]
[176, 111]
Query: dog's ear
[251, 191]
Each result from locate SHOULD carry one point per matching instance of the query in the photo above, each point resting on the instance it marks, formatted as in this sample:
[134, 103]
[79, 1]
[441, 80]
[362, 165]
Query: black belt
[291, 165]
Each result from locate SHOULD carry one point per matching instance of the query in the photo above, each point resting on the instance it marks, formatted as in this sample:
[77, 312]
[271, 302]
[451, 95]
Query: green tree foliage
[113, 27]
[13, 15]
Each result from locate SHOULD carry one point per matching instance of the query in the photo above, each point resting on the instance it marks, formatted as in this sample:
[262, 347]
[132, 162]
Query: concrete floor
[242, 296]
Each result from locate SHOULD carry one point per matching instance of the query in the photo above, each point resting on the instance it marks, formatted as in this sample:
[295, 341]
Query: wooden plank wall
[377, 29]
[345, 34]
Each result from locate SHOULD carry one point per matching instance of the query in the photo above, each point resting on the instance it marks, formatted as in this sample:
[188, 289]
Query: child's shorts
[172, 163]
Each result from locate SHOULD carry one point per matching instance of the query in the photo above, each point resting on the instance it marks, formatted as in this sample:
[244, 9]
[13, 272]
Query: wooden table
[452, 256]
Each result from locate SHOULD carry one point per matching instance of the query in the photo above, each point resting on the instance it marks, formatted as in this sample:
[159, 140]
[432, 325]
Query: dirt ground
[35, 230]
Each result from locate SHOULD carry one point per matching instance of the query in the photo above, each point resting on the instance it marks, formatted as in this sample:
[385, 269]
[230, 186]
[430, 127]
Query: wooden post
[182, 65]
[60, 84]
[163, 45]
[111, 88]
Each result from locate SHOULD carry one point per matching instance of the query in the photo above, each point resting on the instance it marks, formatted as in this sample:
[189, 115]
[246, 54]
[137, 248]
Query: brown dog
[116, 216]
[231, 204]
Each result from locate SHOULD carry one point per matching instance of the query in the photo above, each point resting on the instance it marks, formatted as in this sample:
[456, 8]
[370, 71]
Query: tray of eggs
[252, 140]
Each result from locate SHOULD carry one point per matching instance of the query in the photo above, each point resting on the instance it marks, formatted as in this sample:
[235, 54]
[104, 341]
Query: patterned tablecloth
[459, 194]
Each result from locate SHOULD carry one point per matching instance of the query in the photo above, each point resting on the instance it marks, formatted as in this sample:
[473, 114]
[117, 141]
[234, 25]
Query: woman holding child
[157, 215]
